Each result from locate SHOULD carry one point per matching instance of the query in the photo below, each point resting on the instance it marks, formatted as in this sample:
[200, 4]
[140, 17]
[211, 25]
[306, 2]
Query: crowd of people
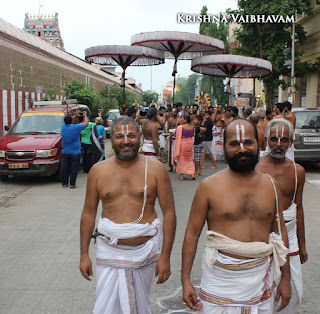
[255, 242]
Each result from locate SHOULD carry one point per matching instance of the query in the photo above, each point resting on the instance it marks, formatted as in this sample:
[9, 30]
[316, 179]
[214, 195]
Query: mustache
[281, 149]
[126, 145]
[244, 154]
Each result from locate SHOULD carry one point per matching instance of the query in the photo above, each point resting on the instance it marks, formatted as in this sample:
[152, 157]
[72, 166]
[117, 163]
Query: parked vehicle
[32, 145]
[110, 116]
[307, 135]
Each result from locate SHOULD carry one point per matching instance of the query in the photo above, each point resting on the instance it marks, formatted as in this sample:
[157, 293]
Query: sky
[85, 24]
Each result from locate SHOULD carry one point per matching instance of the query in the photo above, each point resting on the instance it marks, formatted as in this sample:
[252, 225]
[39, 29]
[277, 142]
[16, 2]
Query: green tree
[51, 94]
[83, 93]
[186, 89]
[112, 97]
[270, 40]
[148, 97]
[210, 83]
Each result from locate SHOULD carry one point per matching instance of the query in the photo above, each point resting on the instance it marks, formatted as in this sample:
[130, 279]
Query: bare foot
[181, 177]
[196, 175]
[200, 173]
[213, 167]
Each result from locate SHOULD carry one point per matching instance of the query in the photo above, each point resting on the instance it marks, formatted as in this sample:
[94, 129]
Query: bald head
[254, 118]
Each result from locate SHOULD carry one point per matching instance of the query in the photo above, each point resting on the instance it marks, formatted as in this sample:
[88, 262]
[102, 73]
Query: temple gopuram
[46, 27]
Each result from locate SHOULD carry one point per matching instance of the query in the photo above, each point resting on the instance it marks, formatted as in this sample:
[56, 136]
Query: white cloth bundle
[290, 213]
[115, 231]
[216, 241]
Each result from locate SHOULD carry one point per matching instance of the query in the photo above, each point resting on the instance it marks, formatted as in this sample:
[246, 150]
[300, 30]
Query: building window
[303, 91]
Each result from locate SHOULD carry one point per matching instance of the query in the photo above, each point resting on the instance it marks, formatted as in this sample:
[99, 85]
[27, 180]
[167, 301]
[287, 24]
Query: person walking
[98, 135]
[71, 149]
[129, 253]
[86, 147]
[183, 152]
[198, 146]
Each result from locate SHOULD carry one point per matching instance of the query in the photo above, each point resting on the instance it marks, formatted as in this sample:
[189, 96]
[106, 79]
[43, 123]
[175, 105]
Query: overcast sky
[85, 24]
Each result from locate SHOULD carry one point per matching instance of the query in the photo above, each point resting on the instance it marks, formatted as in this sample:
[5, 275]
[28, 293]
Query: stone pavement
[39, 248]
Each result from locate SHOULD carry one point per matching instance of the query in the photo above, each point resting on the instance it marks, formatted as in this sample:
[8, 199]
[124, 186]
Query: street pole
[292, 58]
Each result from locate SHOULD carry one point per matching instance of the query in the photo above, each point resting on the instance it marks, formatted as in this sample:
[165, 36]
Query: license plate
[18, 166]
[311, 139]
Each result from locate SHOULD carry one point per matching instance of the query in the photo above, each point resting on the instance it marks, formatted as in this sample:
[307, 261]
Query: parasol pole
[174, 78]
[123, 85]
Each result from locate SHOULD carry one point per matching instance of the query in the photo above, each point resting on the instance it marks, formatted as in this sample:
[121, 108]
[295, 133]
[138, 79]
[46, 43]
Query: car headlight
[46, 152]
[2, 153]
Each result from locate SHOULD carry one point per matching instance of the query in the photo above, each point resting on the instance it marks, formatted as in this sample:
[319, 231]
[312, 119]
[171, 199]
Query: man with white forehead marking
[291, 178]
[129, 233]
[246, 239]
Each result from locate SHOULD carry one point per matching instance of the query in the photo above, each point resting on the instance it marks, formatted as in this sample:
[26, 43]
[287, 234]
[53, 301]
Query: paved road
[39, 248]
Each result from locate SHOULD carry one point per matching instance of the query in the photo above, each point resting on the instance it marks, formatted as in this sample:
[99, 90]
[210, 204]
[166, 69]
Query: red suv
[32, 145]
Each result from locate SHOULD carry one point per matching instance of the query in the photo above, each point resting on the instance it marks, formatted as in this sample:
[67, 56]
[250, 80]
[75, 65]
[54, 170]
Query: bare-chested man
[217, 134]
[291, 178]
[129, 232]
[227, 117]
[262, 121]
[239, 265]
[279, 114]
[150, 133]
[161, 120]
[290, 116]
[168, 114]
[172, 124]
[254, 118]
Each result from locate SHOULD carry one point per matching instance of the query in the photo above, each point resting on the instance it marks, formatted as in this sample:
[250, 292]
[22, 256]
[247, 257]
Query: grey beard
[278, 155]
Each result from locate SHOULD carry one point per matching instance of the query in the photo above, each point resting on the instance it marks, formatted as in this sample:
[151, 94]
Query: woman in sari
[183, 152]
[98, 135]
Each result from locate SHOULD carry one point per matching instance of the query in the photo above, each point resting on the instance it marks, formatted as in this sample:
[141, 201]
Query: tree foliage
[208, 83]
[83, 93]
[185, 89]
[270, 40]
[148, 97]
[112, 97]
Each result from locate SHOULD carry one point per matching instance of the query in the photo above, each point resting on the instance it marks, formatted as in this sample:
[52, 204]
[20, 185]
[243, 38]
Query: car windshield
[307, 119]
[39, 123]
[112, 115]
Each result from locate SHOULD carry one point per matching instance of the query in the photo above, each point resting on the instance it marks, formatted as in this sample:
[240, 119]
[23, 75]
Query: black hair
[131, 111]
[239, 120]
[200, 118]
[152, 111]
[68, 119]
[162, 108]
[287, 104]
[208, 112]
[187, 118]
[280, 106]
[268, 111]
[235, 109]
[178, 104]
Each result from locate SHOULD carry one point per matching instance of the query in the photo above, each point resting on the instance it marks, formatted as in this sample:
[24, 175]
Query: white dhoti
[232, 285]
[162, 139]
[148, 149]
[237, 286]
[290, 152]
[125, 273]
[217, 144]
[289, 216]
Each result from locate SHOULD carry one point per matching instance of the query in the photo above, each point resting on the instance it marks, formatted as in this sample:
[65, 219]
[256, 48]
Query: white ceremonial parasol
[124, 56]
[178, 45]
[231, 66]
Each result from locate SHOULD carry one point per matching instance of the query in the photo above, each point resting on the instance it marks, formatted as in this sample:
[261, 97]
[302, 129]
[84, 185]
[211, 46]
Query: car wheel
[4, 178]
